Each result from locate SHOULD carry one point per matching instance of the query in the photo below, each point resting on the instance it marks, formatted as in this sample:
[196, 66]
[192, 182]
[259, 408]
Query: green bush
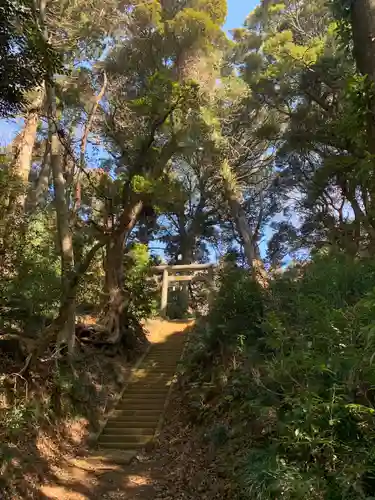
[30, 287]
[303, 397]
[140, 289]
[236, 315]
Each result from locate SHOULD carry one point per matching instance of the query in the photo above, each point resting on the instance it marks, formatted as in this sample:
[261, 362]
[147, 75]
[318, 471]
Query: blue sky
[238, 10]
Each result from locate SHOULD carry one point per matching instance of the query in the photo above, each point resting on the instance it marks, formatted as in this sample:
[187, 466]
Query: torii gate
[170, 276]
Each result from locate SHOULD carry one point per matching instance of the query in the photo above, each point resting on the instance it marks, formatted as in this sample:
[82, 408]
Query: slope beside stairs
[139, 413]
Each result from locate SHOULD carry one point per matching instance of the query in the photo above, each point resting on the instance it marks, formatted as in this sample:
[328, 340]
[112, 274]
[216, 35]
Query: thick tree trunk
[363, 26]
[116, 301]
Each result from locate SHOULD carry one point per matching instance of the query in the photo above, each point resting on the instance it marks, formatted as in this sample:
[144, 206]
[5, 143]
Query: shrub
[303, 397]
[139, 286]
[236, 315]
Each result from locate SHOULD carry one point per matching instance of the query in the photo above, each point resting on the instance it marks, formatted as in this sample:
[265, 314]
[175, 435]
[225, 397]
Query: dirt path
[147, 477]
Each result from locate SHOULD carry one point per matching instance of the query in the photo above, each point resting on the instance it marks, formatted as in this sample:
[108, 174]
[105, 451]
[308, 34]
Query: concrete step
[146, 391]
[157, 381]
[159, 386]
[152, 364]
[109, 460]
[150, 377]
[151, 395]
[175, 354]
[126, 430]
[125, 439]
[139, 397]
[147, 405]
[120, 446]
[161, 394]
[133, 424]
[137, 414]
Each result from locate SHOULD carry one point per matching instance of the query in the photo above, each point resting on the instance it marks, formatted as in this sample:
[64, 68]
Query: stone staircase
[139, 413]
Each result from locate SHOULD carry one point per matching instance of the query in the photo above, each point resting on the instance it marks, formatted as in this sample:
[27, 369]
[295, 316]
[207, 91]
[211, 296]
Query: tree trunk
[363, 27]
[116, 300]
[65, 240]
[244, 230]
[68, 301]
[23, 151]
[40, 187]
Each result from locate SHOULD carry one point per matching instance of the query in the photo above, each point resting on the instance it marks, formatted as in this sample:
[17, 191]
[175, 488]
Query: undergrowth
[51, 413]
[283, 381]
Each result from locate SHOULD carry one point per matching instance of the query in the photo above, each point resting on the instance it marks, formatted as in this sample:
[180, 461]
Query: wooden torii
[175, 273]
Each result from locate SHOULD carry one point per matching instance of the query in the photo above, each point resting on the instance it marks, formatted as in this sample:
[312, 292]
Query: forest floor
[179, 466]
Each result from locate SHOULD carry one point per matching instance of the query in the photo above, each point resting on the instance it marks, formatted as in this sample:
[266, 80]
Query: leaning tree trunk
[243, 227]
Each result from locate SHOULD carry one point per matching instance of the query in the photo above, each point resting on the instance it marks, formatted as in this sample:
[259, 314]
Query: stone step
[134, 421]
[146, 390]
[120, 446]
[137, 397]
[133, 439]
[151, 395]
[132, 424]
[137, 413]
[170, 365]
[146, 405]
[126, 430]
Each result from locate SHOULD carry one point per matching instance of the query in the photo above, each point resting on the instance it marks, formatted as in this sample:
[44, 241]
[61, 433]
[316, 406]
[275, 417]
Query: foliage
[238, 303]
[26, 60]
[302, 394]
[139, 286]
[30, 286]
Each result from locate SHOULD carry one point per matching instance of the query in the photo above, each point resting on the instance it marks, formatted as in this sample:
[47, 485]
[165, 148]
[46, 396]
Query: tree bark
[244, 230]
[37, 191]
[20, 170]
[363, 27]
[65, 239]
[116, 301]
